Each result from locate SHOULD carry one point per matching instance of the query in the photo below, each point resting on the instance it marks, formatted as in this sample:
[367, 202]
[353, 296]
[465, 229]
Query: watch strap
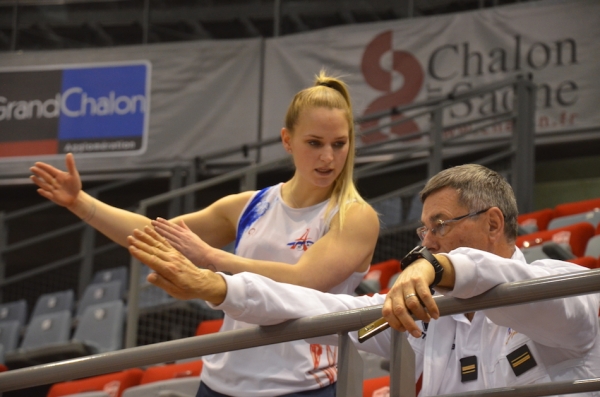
[422, 252]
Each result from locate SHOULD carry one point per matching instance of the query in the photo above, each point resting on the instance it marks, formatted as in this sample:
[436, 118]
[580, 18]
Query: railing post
[3, 243]
[402, 367]
[350, 368]
[248, 181]
[133, 307]
[87, 263]
[189, 202]
[523, 145]
[177, 175]
[436, 136]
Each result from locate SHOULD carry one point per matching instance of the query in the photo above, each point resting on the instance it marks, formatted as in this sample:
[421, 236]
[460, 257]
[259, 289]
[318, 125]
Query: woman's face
[319, 145]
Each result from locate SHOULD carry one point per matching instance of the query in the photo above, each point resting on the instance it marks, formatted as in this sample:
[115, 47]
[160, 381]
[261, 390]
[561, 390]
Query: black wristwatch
[423, 252]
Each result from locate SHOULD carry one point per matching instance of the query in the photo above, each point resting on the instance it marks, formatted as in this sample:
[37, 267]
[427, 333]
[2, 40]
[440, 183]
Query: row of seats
[561, 215]
[568, 232]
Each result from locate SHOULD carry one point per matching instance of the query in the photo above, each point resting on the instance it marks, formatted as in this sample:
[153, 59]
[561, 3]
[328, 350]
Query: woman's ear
[286, 137]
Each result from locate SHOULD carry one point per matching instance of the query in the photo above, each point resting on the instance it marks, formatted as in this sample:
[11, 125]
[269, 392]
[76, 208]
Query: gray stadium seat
[46, 329]
[99, 293]
[593, 247]
[534, 253]
[548, 250]
[415, 210]
[390, 211]
[54, 302]
[592, 217]
[9, 335]
[101, 327]
[117, 273]
[16, 310]
[100, 330]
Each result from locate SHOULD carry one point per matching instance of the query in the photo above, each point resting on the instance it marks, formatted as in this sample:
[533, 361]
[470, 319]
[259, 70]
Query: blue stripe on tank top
[252, 213]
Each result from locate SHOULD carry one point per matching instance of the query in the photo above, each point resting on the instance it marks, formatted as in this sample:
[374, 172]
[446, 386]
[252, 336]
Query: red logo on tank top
[301, 243]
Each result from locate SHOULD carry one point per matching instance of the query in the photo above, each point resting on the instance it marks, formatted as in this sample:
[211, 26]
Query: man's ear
[495, 223]
[286, 136]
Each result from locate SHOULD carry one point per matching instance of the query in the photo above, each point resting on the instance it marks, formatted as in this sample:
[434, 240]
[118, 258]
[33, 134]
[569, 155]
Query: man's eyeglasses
[441, 229]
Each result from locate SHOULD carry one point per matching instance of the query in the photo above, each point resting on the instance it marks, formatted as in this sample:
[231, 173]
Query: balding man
[469, 227]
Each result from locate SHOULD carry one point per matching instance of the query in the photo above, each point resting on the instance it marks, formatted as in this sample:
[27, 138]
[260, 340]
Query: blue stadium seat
[117, 273]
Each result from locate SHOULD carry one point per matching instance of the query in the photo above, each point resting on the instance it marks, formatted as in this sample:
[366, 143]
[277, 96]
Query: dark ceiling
[59, 24]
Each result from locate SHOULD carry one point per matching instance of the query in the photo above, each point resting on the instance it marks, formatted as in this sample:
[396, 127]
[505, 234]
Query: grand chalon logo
[94, 108]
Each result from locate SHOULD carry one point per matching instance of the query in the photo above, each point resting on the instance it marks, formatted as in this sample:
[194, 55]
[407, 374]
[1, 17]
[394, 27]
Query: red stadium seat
[576, 207]
[540, 218]
[576, 236]
[586, 261]
[113, 384]
[171, 371]
[383, 271]
[376, 387]
[209, 326]
[3, 368]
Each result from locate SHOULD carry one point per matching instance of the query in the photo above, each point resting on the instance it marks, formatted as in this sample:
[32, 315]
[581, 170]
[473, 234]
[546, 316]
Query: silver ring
[409, 296]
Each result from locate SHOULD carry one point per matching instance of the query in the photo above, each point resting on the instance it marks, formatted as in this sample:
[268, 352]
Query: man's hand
[185, 241]
[173, 272]
[411, 295]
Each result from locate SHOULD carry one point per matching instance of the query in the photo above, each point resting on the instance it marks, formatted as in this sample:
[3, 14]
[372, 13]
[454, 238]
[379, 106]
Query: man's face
[469, 232]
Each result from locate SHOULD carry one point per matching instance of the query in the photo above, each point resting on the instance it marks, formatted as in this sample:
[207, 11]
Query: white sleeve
[255, 299]
[568, 323]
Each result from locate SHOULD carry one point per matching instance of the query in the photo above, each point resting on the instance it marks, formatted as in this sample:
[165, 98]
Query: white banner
[396, 63]
[203, 97]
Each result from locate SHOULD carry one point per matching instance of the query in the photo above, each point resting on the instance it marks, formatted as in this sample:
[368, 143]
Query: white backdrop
[394, 63]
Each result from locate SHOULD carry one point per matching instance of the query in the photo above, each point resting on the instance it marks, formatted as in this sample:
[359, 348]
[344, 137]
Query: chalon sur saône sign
[99, 109]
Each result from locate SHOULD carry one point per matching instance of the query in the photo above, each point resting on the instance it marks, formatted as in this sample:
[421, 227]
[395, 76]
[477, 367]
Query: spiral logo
[383, 69]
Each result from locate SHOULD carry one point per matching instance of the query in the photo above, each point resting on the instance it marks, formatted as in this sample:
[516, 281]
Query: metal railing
[551, 287]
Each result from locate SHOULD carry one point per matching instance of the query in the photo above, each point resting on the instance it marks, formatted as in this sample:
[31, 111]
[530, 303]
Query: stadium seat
[576, 236]
[43, 331]
[376, 387]
[593, 247]
[585, 261]
[180, 379]
[209, 326]
[576, 207]
[415, 210]
[54, 302]
[2, 366]
[389, 210]
[99, 293]
[539, 219]
[100, 330]
[383, 271]
[113, 384]
[593, 217]
[16, 310]
[117, 273]
[9, 336]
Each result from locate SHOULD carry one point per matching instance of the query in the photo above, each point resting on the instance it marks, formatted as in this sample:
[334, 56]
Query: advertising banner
[128, 108]
[94, 108]
[396, 63]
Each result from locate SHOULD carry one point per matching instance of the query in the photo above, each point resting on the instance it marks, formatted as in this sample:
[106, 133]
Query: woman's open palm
[57, 186]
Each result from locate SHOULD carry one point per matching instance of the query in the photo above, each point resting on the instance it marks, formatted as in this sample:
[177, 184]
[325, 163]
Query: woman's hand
[175, 273]
[186, 242]
[57, 186]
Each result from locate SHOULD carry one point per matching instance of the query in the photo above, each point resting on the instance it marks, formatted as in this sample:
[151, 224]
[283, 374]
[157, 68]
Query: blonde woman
[313, 230]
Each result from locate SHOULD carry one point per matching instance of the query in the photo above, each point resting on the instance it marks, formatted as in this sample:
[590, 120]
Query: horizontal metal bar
[43, 237]
[39, 270]
[539, 389]
[233, 175]
[506, 294]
